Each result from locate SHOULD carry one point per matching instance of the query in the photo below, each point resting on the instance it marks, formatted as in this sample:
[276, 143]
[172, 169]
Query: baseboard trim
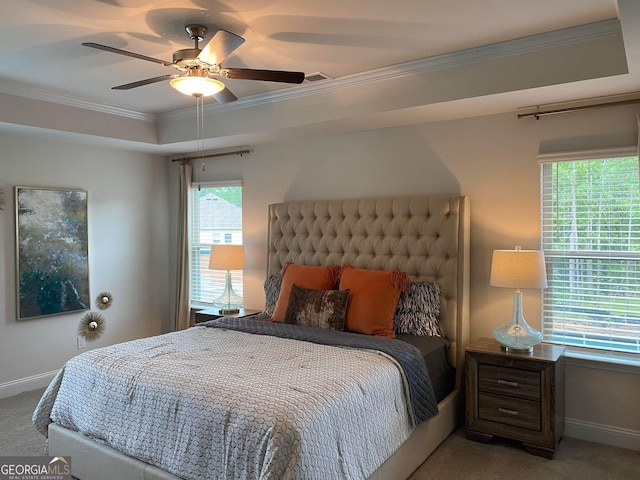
[596, 432]
[15, 387]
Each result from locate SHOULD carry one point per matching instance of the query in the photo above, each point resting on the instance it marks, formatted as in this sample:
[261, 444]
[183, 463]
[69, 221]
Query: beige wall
[492, 160]
[128, 251]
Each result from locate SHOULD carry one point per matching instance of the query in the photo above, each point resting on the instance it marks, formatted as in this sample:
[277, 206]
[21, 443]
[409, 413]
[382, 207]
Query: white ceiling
[41, 57]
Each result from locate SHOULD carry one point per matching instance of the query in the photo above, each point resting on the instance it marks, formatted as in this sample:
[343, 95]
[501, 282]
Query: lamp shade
[196, 85]
[518, 269]
[226, 257]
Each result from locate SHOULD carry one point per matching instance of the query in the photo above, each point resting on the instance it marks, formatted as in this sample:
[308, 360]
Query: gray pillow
[418, 310]
[271, 292]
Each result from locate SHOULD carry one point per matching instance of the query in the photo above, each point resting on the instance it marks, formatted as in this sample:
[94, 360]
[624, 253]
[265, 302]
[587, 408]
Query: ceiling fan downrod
[196, 32]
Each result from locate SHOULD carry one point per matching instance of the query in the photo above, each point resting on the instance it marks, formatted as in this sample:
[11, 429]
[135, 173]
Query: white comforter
[209, 403]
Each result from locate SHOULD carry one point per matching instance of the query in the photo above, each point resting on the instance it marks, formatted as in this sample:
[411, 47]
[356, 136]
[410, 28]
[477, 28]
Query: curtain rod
[211, 155]
[539, 114]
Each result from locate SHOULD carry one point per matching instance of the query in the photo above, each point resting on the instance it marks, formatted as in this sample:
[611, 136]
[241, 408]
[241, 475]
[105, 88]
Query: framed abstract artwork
[52, 251]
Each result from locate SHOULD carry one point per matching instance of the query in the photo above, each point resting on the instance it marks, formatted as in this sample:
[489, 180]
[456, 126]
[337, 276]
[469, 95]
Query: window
[216, 217]
[591, 241]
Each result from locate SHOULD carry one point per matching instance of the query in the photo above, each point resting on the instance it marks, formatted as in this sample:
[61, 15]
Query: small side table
[519, 396]
[213, 313]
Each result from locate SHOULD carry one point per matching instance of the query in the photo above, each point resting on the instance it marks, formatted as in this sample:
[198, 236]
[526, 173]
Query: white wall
[492, 160]
[128, 251]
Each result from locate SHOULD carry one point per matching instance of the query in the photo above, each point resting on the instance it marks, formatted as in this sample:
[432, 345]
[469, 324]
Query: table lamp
[518, 269]
[227, 257]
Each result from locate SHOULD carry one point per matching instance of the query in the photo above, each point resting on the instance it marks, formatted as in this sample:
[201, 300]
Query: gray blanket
[420, 391]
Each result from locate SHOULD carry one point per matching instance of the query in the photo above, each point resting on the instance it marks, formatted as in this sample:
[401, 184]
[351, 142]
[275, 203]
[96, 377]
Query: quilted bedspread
[218, 403]
[421, 398]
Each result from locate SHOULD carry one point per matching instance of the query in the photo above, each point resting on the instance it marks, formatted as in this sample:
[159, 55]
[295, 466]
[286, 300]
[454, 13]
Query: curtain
[183, 306]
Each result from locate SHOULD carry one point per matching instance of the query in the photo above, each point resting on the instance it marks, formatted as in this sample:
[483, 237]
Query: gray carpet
[19, 436]
[456, 459]
[461, 459]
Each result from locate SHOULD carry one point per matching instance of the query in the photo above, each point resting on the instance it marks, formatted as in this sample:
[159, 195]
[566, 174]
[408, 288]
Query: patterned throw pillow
[317, 308]
[271, 292]
[418, 310]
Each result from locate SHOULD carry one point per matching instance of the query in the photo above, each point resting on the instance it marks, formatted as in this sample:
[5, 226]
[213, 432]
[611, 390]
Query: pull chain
[200, 125]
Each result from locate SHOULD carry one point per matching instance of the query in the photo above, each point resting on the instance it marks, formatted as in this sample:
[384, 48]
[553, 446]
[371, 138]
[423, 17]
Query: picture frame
[52, 251]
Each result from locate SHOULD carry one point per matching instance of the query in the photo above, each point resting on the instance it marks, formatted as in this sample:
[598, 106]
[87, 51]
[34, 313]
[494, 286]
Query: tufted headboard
[427, 237]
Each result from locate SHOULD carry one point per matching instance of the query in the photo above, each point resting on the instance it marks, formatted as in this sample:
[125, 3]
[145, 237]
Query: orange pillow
[373, 299]
[317, 278]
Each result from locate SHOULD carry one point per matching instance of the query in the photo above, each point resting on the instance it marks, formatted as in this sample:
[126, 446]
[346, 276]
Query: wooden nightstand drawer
[509, 381]
[510, 411]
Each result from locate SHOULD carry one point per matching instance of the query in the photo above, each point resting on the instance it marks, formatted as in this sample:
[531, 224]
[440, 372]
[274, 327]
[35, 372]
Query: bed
[424, 238]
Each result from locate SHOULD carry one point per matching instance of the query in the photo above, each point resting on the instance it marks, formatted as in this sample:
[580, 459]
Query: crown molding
[71, 101]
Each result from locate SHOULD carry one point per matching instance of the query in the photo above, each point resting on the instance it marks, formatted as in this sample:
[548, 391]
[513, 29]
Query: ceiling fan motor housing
[186, 57]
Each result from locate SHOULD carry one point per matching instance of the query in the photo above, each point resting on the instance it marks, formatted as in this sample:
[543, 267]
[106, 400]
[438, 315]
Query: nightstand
[519, 396]
[213, 313]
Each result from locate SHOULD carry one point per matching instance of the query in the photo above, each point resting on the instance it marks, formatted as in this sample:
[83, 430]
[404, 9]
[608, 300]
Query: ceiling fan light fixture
[197, 86]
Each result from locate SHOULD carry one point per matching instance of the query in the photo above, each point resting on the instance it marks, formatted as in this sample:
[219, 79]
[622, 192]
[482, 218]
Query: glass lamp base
[229, 302]
[516, 335]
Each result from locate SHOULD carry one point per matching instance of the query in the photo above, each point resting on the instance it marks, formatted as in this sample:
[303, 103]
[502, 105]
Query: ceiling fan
[198, 69]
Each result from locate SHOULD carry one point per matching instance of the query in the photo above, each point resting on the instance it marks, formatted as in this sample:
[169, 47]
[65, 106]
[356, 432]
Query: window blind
[591, 240]
[216, 217]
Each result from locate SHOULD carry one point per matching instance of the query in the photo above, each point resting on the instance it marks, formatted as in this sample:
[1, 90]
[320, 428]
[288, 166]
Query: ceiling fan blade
[140, 83]
[106, 48]
[225, 96]
[266, 75]
[220, 47]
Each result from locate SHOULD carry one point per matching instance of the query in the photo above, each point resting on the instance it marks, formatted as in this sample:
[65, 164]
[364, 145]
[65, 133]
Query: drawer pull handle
[507, 411]
[507, 382]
